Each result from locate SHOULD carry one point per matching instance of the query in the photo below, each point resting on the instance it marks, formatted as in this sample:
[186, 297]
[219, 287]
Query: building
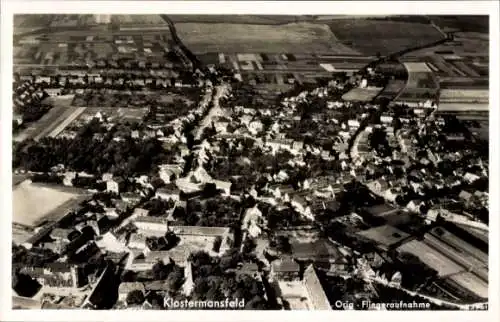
[112, 186]
[110, 242]
[285, 269]
[315, 292]
[144, 260]
[210, 233]
[61, 276]
[60, 234]
[131, 197]
[320, 252]
[225, 186]
[169, 192]
[37, 237]
[137, 241]
[159, 224]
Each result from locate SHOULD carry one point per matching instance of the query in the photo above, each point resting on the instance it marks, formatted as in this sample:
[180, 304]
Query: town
[146, 170]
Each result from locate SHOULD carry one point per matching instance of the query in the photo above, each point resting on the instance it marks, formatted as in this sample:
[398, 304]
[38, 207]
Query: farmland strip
[67, 121]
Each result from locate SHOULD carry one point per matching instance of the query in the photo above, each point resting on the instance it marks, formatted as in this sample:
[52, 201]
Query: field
[75, 114]
[137, 19]
[52, 128]
[375, 36]
[384, 235]
[393, 88]
[113, 113]
[468, 23]
[32, 21]
[434, 259]
[472, 283]
[34, 203]
[85, 45]
[246, 38]
[20, 234]
[58, 113]
[362, 94]
[464, 95]
[239, 19]
[463, 107]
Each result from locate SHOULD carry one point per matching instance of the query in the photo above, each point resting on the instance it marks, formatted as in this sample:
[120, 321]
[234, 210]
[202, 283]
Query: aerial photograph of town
[250, 162]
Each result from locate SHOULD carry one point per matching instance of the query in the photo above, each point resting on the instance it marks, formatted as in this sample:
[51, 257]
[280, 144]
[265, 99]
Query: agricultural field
[372, 37]
[362, 94]
[467, 23]
[61, 109]
[32, 20]
[464, 95]
[419, 76]
[35, 203]
[87, 45]
[393, 88]
[20, 234]
[433, 258]
[246, 38]
[137, 20]
[112, 113]
[239, 19]
[72, 20]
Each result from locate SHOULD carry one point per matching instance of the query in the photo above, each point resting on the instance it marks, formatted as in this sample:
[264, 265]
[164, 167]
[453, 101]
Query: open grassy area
[375, 36]
[34, 203]
[246, 38]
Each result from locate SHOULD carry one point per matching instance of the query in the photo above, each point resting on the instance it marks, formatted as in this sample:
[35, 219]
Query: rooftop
[285, 265]
[200, 231]
[127, 287]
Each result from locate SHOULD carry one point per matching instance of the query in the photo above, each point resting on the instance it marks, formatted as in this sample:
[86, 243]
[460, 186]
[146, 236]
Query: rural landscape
[258, 162]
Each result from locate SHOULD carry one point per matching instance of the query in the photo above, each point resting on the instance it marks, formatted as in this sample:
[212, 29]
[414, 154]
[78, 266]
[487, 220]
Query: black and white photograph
[280, 162]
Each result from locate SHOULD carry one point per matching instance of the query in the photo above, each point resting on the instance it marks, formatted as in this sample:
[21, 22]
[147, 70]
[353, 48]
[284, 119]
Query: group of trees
[158, 207]
[284, 218]
[169, 241]
[377, 140]
[36, 257]
[214, 212]
[281, 244]
[24, 285]
[123, 158]
[213, 281]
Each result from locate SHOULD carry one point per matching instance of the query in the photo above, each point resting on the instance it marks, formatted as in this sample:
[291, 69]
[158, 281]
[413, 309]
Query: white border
[9, 7]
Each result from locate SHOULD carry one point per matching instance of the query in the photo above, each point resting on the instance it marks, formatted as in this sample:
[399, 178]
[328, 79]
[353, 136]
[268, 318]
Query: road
[220, 91]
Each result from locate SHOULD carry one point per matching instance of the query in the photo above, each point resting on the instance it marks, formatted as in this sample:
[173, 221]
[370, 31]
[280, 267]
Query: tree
[175, 280]
[256, 303]
[283, 244]
[217, 244]
[24, 285]
[160, 271]
[128, 276]
[135, 297]
[248, 246]
[172, 239]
